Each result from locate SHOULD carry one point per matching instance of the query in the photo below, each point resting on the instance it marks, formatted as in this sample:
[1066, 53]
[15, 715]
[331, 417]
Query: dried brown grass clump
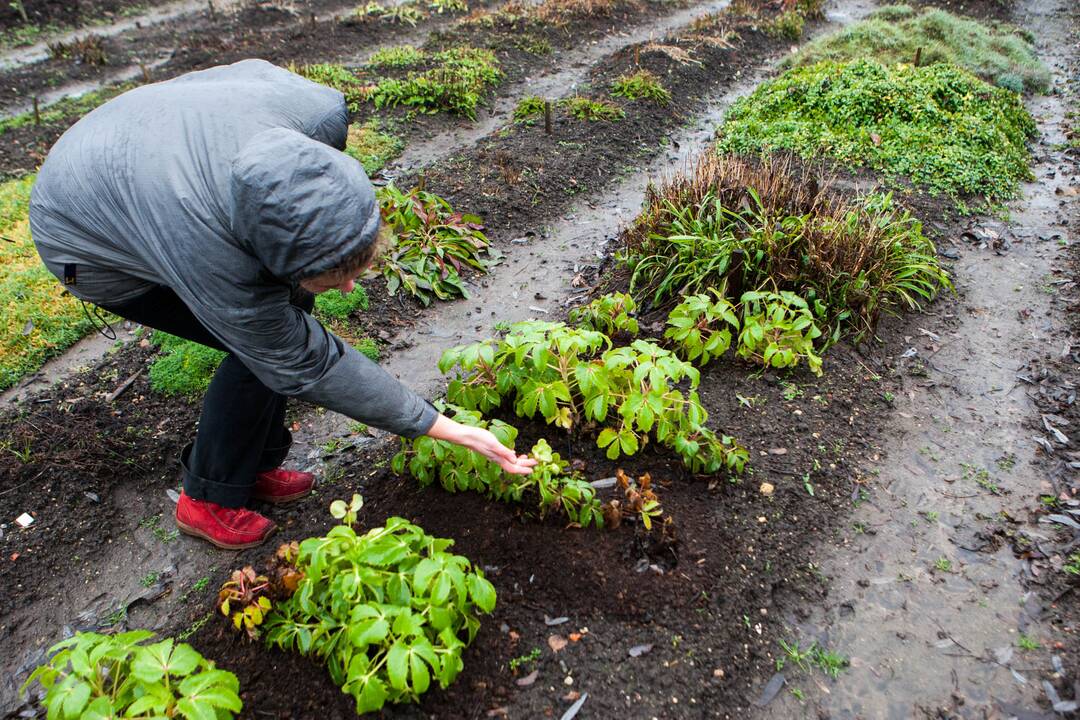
[88, 50]
[728, 179]
[558, 12]
[743, 223]
[676, 53]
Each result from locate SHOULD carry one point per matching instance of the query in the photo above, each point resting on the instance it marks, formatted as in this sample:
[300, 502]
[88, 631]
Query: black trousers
[242, 428]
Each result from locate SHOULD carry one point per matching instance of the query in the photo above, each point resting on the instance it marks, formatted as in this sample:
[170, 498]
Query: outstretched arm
[483, 442]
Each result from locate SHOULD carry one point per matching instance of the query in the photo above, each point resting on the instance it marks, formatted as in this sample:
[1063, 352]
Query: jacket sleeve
[294, 355]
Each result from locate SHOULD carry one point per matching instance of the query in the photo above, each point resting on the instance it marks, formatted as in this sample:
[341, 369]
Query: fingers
[520, 465]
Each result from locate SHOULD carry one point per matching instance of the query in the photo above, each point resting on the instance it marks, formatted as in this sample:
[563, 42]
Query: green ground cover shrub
[389, 611]
[335, 305]
[111, 676]
[373, 147]
[892, 35]
[940, 126]
[738, 224]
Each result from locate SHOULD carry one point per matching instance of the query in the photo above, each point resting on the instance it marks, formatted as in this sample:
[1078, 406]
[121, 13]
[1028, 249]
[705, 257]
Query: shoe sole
[195, 532]
[282, 499]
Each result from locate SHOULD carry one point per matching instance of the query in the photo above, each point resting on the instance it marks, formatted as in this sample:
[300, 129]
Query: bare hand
[483, 442]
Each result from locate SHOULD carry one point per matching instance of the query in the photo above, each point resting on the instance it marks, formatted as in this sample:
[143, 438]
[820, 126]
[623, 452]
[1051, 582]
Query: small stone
[568, 681]
[766, 488]
[718, 673]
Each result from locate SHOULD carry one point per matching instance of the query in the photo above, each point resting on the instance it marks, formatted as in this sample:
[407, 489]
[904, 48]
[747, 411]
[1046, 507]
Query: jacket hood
[301, 207]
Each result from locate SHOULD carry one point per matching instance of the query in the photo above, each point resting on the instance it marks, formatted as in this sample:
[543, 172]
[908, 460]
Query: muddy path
[927, 598]
[145, 576]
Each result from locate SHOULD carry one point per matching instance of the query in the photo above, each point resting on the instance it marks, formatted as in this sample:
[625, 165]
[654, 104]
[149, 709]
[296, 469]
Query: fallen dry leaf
[556, 642]
[528, 679]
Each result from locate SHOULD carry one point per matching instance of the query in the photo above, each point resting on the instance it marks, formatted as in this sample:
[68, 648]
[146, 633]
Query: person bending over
[214, 206]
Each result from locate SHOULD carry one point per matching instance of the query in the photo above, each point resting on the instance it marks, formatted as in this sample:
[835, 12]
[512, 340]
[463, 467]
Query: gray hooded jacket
[226, 185]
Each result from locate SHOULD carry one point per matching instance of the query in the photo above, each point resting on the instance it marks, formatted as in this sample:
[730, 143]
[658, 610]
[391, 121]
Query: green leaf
[184, 659]
[397, 665]
[76, 698]
[482, 593]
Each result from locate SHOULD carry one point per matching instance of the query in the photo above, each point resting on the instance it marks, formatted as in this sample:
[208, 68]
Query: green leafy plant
[569, 375]
[111, 676]
[1072, 565]
[456, 83]
[894, 34]
[529, 109]
[432, 245]
[610, 314]
[584, 108]
[388, 611]
[701, 327]
[641, 85]
[458, 469]
[244, 598]
[778, 330]
[737, 223]
[940, 126]
[183, 367]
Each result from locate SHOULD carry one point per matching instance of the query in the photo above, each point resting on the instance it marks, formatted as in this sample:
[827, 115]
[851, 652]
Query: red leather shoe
[228, 528]
[281, 486]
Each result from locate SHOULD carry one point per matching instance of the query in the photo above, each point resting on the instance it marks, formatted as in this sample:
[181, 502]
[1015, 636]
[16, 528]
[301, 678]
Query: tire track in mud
[925, 602]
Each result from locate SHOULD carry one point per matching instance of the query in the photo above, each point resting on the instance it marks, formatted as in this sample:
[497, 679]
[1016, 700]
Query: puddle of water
[920, 637]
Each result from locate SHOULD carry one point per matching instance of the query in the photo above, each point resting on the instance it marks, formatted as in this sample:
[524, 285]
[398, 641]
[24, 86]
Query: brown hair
[362, 259]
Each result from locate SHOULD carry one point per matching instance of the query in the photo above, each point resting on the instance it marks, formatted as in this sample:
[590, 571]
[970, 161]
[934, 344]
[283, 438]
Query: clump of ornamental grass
[529, 109]
[641, 85]
[998, 54]
[738, 224]
[583, 108]
[939, 126]
[400, 56]
[355, 89]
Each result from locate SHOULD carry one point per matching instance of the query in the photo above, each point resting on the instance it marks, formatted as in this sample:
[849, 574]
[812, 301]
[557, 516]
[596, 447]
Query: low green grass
[40, 319]
[940, 126]
[339, 77]
[373, 147]
[1000, 55]
[67, 108]
[184, 367]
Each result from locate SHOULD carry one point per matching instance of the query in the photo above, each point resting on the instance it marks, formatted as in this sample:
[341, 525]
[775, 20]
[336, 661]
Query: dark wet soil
[65, 452]
[69, 13]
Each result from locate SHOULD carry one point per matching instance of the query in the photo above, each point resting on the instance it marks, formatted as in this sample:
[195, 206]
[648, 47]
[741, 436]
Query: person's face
[331, 281]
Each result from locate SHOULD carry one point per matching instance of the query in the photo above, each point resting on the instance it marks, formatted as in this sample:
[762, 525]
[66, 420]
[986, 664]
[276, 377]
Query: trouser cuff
[230, 495]
[273, 457]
